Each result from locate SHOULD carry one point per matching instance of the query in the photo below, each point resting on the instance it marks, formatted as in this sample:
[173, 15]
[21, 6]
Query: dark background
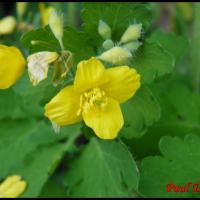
[6, 8]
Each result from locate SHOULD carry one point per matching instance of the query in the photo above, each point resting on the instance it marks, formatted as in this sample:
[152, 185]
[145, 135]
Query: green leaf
[37, 168]
[117, 15]
[104, 169]
[44, 36]
[179, 164]
[53, 189]
[140, 112]
[174, 44]
[74, 41]
[195, 45]
[23, 137]
[179, 116]
[38, 96]
[152, 61]
[77, 43]
[10, 105]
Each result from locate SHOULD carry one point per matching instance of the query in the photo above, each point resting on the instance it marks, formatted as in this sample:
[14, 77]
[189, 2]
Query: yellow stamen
[92, 98]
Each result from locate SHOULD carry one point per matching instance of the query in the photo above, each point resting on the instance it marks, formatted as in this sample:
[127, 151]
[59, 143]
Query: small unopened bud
[7, 25]
[56, 23]
[104, 30]
[21, 8]
[133, 46]
[12, 187]
[133, 32]
[116, 55]
[108, 44]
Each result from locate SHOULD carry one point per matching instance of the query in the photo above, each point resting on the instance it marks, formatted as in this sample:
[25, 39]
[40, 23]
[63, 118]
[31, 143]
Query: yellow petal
[12, 64]
[107, 121]
[63, 108]
[123, 83]
[90, 73]
[12, 187]
[16, 190]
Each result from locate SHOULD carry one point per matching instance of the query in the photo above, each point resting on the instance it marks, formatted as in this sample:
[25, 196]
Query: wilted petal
[38, 65]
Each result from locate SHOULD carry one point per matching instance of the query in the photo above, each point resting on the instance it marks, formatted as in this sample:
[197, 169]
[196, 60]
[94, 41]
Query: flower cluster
[96, 93]
[128, 44]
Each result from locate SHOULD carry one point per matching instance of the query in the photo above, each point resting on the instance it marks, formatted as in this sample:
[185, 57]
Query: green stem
[71, 13]
[195, 58]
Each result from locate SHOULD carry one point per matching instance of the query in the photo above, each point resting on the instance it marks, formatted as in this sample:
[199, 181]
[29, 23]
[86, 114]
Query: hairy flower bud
[108, 44]
[7, 25]
[133, 46]
[116, 55]
[56, 23]
[104, 30]
[133, 32]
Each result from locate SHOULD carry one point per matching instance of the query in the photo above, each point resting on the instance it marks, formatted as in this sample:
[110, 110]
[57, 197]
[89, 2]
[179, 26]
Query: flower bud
[116, 55]
[133, 32]
[21, 8]
[38, 65]
[104, 30]
[133, 46]
[7, 25]
[56, 23]
[12, 187]
[108, 44]
[45, 13]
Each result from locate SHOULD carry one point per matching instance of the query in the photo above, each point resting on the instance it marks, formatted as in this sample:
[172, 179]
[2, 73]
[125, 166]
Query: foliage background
[159, 143]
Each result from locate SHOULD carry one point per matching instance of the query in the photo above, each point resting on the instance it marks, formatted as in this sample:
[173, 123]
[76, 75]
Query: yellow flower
[7, 25]
[95, 97]
[12, 64]
[38, 65]
[186, 9]
[12, 187]
[45, 13]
